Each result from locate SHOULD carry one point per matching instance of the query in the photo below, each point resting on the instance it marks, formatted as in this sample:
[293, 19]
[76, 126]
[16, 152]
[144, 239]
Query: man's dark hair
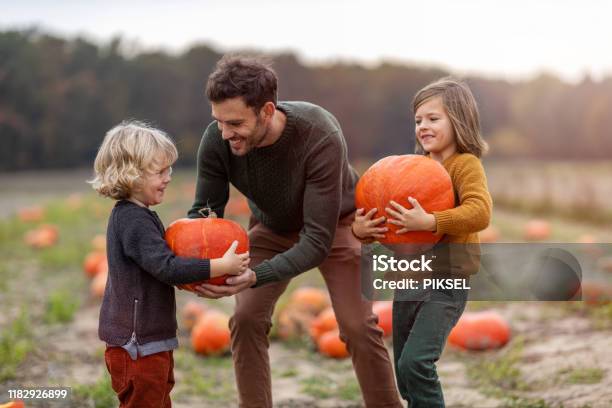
[248, 77]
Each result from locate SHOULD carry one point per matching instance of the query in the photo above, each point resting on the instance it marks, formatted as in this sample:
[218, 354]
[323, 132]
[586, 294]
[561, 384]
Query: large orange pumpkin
[399, 177]
[384, 311]
[331, 345]
[211, 334]
[484, 330]
[205, 238]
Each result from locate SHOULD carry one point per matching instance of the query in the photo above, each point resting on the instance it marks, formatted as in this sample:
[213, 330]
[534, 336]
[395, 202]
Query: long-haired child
[447, 128]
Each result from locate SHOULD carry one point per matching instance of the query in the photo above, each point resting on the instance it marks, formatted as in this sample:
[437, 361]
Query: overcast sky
[509, 39]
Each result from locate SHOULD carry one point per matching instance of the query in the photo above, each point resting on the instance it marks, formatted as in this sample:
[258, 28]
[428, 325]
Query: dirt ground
[559, 354]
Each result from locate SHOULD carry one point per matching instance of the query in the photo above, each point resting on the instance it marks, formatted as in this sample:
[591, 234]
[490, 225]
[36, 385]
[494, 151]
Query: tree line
[58, 97]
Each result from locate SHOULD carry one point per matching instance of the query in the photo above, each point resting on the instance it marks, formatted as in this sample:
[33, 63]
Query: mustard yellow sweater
[473, 204]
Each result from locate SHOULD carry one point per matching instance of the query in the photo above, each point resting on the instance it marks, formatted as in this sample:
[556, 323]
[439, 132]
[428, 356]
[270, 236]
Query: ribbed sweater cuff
[265, 274]
[443, 222]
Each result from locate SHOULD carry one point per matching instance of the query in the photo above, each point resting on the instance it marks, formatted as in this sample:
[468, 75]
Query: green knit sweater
[303, 182]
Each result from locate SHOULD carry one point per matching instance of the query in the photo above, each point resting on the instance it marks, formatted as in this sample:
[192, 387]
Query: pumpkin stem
[207, 212]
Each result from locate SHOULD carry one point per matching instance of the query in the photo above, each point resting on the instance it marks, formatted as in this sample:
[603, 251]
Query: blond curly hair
[128, 152]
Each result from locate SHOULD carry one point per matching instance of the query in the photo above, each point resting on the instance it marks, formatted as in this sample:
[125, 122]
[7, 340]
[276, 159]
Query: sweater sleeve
[473, 213]
[322, 201]
[212, 185]
[143, 243]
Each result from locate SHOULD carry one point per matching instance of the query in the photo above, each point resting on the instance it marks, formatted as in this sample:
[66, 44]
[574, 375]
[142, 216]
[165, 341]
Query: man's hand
[233, 285]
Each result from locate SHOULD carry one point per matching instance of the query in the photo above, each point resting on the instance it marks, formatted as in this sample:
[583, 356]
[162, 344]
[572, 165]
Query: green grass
[583, 375]
[15, 344]
[61, 307]
[100, 394]
[519, 402]
[210, 378]
[322, 387]
[319, 386]
[498, 375]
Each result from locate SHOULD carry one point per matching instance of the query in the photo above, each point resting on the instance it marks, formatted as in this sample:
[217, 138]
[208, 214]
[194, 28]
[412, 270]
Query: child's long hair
[461, 108]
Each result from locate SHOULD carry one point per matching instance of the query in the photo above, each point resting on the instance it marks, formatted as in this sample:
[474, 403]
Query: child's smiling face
[153, 187]
[434, 130]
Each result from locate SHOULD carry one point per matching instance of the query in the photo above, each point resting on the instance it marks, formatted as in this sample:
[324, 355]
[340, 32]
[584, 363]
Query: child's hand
[415, 219]
[364, 227]
[231, 263]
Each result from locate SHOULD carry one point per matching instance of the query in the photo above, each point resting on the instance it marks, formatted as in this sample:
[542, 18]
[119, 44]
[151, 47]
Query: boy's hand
[364, 227]
[230, 263]
[415, 219]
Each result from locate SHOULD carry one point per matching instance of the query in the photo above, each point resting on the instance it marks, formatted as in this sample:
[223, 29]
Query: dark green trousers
[420, 330]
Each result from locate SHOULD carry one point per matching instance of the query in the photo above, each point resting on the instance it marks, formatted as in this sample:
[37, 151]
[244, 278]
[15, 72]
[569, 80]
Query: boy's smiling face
[153, 187]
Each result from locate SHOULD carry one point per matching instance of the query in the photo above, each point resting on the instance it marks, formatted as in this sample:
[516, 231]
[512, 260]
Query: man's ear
[268, 109]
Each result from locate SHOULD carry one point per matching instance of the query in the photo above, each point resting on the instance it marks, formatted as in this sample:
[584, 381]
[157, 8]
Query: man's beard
[256, 137]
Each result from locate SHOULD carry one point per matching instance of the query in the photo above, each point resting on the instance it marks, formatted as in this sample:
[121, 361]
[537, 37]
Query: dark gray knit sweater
[303, 182]
[139, 296]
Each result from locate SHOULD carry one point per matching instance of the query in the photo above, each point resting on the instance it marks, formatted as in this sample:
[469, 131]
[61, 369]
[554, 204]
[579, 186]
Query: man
[290, 160]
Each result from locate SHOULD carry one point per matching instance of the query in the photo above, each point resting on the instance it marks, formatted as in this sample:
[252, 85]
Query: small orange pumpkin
[484, 330]
[98, 283]
[384, 311]
[31, 214]
[13, 404]
[331, 345]
[211, 334]
[94, 263]
[324, 322]
[489, 235]
[310, 299]
[191, 313]
[399, 177]
[537, 230]
[42, 237]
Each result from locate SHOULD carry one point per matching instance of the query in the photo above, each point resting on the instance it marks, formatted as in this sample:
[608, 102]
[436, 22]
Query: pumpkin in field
[331, 345]
[595, 293]
[94, 262]
[485, 330]
[98, 242]
[489, 235]
[205, 238]
[98, 283]
[384, 311]
[324, 322]
[42, 237]
[310, 299]
[31, 214]
[191, 313]
[13, 404]
[293, 322]
[211, 334]
[399, 177]
[537, 230]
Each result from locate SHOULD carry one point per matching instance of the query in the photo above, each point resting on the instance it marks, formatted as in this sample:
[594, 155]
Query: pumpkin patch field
[500, 354]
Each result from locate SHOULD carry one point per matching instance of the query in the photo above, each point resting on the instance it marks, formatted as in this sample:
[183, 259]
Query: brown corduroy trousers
[252, 320]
